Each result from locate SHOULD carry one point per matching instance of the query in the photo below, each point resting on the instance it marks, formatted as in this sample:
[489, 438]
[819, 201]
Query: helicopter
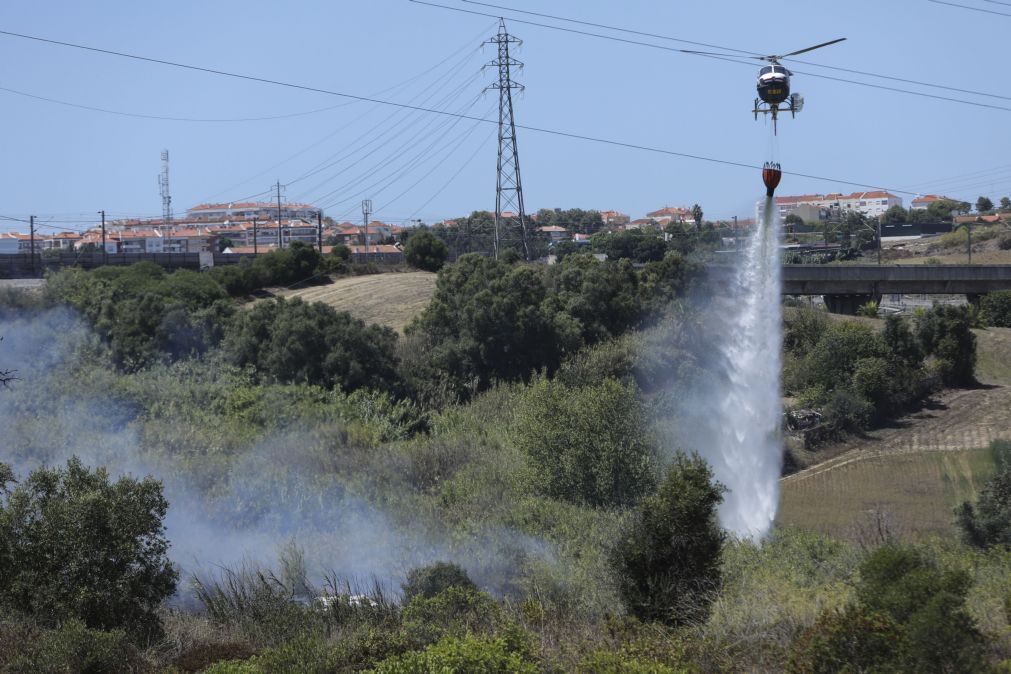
[774, 84]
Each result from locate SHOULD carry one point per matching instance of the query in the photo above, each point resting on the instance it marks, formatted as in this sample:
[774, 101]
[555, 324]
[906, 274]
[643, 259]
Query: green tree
[988, 522]
[895, 215]
[223, 243]
[486, 322]
[792, 219]
[668, 560]
[586, 445]
[291, 341]
[995, 309]
[945, 332]
[909, 615]
[1005, 204]
[697, 216]
[74, 544]
[942, 209]
[428, 581]
[426, 251]
[984, 205]
[929, 604]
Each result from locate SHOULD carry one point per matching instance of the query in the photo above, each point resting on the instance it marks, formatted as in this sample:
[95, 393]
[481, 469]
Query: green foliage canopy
[425, 251]
[586, 445]
[75, 544]
[292, 341]
[668, 560]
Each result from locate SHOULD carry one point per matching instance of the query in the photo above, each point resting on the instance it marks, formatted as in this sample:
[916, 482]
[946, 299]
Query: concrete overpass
[846, 287]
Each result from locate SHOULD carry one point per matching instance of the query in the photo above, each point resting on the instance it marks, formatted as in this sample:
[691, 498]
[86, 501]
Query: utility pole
[163, 187]
[280, 241]
[366, 214]
[509, 188]
[879, 239]
[255, 247]
[319, 230]
[31, 240]
[105, 252]
[968, 231]
[737, 236]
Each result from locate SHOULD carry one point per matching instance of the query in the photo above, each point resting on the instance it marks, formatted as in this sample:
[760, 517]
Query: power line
[172, 119]
[740, 51]
[386, 138]
[561, 134]
[460, 170]
[724, 58]
[444, 127]
[419, 159]
[975, 9]
[320, 141]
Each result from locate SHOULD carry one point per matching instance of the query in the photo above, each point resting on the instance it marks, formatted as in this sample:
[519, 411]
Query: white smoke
[292, 487]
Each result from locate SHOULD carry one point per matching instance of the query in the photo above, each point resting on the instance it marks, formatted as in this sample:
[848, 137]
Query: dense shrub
[470, 654]
[455, 611]
[988, 522]
[667, 561]
[297, 342]
[995, 309]
[69, 647]
[285, 267]
[425, 251]
[849, 640]
[945, 333]
[428, 581]
[909, 615]
[145, 315]
[76, 545]
[586, 445]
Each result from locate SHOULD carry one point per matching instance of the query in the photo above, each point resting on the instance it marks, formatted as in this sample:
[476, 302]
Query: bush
[454, 611]
[71, 647]
[465, 654]
[868, 310]
[988, 522]
[929, 605]
[428, 581]
[609, 662]
[945, 333]
[425, 251]
[668, 560]
[586, 445]
[296, 342]
[995, 309]
[849, 640]
[1004, 243]
[73, 544]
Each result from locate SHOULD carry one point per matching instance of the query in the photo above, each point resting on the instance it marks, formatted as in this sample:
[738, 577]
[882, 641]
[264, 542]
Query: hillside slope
[917, 468]
[391, 299]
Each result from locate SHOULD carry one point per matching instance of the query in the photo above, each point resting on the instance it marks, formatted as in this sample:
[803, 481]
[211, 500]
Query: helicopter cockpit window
[765, 71]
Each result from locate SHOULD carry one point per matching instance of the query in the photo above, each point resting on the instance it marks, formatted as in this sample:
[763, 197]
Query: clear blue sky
[60, 161]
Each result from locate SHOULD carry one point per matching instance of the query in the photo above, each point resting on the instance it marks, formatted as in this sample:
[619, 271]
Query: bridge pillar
[848, 304]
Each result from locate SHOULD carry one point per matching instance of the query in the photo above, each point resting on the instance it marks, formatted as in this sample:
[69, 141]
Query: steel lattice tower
[163, 187]
[509, 190]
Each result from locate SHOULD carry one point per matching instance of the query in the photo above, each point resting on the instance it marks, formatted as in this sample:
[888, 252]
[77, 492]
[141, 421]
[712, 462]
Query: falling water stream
[738, 429]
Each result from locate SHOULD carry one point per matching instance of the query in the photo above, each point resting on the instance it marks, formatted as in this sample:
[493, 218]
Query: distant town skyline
[84, 131]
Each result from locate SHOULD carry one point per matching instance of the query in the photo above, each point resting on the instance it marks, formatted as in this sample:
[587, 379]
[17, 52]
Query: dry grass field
[913, 493]
[913, 472]
[391, 299]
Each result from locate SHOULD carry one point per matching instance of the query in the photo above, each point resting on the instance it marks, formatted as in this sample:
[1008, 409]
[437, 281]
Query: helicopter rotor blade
[817, 46]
